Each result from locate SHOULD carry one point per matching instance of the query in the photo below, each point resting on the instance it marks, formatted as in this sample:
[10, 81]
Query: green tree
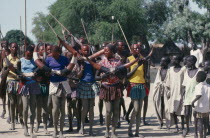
[17, 36]
[97, 17]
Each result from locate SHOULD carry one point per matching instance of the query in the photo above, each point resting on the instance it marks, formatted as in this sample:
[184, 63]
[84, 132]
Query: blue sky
[11, 10]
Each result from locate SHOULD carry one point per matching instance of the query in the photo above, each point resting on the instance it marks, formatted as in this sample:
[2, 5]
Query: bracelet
[74, 60]
[35, 56]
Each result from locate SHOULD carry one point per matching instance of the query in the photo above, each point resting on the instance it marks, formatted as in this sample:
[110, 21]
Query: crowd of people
[47, 77]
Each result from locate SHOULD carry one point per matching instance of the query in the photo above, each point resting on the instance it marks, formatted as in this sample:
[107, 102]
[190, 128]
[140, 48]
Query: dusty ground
[148, 131]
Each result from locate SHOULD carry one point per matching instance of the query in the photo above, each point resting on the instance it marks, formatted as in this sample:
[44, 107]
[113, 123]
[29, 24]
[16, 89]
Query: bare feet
[101, 120]
[12, 127]
[196, 136]
[106, 135]
[86, 120]
[130, 134]
[81, 131]
[185, 132]
[50, 124]
[61, 135]
[127, 119]
[46, 131]
[69, 130]
[118, 124]
[114, 136]
[139, 136]
[3, 114]
[26, 133]
[145, 123]
[33, 135]
[36, 129]
[55, 133]
[91, 133]
[21, 122]
[8, 120]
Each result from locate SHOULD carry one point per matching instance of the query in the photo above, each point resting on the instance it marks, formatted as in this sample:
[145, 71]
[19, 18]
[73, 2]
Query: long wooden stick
[85, 30]
[67, 30]
[25, 43]
[52, 29]
[124, 35]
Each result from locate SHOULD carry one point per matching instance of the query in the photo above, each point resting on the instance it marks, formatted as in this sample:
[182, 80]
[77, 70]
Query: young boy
[202, 92]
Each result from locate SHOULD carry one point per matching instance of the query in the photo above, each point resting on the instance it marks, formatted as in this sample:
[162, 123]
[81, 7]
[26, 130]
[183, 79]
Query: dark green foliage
[16, 36]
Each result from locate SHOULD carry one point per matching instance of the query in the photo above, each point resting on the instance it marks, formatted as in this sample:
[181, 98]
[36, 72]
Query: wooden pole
[20, 46]
[25, 28]
[52, 29]
[67, 30]
[112, 29]
[124, 35]
[0, 36]
[85, 30]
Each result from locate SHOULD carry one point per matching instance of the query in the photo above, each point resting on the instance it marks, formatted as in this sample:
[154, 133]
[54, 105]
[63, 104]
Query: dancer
[137, 91]
[110, 91]
[14, 99]
[42, 99]
[58, 85]
[86, 91]
[29, 90]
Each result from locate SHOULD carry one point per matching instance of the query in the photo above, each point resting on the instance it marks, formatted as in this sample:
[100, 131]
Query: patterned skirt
[111, 92]
[12, 86]
[136, 91]
[44, 89]
[85, 90]
[30, 89]
[202, 115]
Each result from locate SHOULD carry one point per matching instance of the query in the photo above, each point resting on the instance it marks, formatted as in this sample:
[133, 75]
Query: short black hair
[118, 42]
[30, 48]
[56, 49]
[112, 48]
[168, 60]
[193, 57]
[179, 57]
[12, 43]
[201, 76]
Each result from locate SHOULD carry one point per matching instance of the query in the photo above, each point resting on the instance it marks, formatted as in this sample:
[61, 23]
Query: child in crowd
[202, 92]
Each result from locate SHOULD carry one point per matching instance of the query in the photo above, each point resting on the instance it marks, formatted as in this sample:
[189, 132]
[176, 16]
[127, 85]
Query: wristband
[47, 69]
[58, 72]
[74, 60]
[35, 56]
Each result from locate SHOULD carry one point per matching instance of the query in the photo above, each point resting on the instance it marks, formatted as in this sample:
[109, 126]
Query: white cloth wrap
[58, 72]
[54, 87]
[74, 60]
[28, 74]
[35, 56]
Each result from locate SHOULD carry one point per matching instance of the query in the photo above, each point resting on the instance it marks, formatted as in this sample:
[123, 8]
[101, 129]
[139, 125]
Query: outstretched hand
[35, 48]
[193, 105]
